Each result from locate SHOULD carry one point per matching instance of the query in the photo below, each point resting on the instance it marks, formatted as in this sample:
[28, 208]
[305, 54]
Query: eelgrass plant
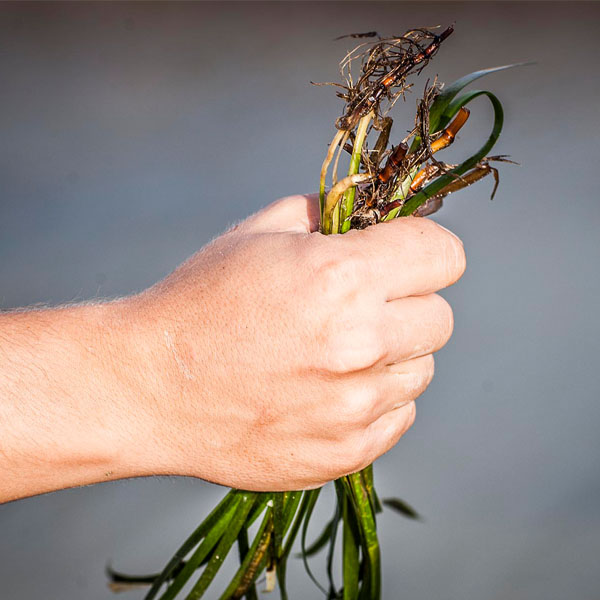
[381, 184]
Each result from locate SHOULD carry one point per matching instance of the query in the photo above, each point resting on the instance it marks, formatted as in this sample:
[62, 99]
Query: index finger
[409, 256]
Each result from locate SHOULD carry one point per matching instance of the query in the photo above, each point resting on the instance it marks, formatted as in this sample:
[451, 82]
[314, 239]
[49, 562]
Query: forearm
[65, 401]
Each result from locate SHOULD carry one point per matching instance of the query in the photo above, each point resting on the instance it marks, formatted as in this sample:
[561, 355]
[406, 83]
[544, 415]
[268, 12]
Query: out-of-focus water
[131, 134]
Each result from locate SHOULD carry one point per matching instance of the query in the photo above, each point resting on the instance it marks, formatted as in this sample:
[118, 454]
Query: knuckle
[444, 322]
[398, 427]
[352, 270]
[361, 447]
[337, 272]
[327, 278]
[427, 365]
[418, 378]
[358, 453]
[350, 453]
[450, 248]
[461, 260]
[411, 415]
[356, 407]
[454, 252]
[354, 351]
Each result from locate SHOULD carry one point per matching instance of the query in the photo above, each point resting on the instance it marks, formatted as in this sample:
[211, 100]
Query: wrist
[132, 365]
[173, 358]
[156, 367]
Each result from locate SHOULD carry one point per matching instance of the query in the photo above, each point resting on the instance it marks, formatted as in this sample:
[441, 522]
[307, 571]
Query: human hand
[278, 358]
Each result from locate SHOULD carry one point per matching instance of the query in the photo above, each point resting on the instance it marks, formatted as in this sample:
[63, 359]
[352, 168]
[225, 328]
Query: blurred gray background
[133, 133]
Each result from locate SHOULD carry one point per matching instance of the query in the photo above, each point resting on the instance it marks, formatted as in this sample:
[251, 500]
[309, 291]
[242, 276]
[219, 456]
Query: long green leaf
[124, 579]
[247, 501]
[462, 100]
[244, 548]
[321, 540]
[439, 112]
[289, 543]
[347, 203]
[184, 570]
[207, 545]
[436, 186]
[254, 561]
[213, 518]
[402, 507]
[298, 519]
[313, 495]
[365, 517]
[256, 556]
[337, 517]
[370, 483]
[278, 522]
[290, 509]
[292, 500]
[439, 116]
[350, 552]
[264, 499]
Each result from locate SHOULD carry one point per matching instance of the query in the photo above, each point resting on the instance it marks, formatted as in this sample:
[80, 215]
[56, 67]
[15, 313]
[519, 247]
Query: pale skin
[275, 358]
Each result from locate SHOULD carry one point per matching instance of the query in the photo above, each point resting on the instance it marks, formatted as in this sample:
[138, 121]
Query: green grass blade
[278, 522]
[264, 498]
[365, 518]
[350, 552]
[402, 507]
[292, 500]
[299, 514]
[439, 116]
[253, 562]
[244, 548]
[347, 204]
[247, 562]
[337, 517]
[201, 531]
[247, 501]
[281, 578]
[207, 545]
[125, 579]
[440, 113]
[295, 528]
[436, 186]
[370, 483]
[291, 504]
[313, 495]
[321, 541]
[463, 100]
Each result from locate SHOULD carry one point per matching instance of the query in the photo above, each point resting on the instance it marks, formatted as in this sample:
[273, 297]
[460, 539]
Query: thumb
[295, 214]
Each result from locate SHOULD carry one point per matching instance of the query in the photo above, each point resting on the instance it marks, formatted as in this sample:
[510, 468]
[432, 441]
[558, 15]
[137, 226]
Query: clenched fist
[275, 358]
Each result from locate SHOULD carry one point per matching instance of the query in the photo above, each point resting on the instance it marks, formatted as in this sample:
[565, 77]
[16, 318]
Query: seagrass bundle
[382, 181]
